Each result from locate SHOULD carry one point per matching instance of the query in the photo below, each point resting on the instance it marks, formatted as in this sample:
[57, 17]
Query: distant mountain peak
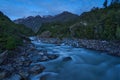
[47, 16]
[35, 22]
[38, 16]
[66, 12]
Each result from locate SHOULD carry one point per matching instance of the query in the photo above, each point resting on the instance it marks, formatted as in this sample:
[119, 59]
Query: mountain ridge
[99, 23]
[35, 22]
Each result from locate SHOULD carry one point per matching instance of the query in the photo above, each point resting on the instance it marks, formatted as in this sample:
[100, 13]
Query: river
[78, 64]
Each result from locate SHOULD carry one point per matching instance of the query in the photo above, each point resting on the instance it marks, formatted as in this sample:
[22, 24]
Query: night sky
[22, 8]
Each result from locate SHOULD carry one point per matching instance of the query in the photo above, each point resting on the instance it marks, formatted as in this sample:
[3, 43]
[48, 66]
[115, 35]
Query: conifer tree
[105, 3]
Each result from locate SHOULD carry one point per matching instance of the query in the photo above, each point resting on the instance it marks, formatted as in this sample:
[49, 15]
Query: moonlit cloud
[23, 8]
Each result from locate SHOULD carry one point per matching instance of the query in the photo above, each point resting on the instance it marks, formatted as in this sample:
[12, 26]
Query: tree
[115, 1]
[105, 3]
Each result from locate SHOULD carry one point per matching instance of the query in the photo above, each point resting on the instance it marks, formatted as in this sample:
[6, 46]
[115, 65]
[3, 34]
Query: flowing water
[80, 64]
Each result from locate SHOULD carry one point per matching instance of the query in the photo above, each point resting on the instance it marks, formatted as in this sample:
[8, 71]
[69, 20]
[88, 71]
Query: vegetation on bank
[10, 33]
[99, 23]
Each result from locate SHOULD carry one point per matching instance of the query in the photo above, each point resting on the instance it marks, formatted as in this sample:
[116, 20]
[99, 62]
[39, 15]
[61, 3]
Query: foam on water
[85, 64]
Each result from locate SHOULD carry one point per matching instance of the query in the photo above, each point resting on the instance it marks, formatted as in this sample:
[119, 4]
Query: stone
[22, 58]
[31, 49]
[23, 74]
[36, 69]
[41, 53]
[7, 67]
[52, 56]
[67, 59]
[15, 77]
[2, 75]
[3, 56]
[44, 58]
[27, 63]
[20, 63]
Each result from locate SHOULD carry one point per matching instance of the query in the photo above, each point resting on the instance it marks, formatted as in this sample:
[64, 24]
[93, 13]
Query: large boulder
[67, 59]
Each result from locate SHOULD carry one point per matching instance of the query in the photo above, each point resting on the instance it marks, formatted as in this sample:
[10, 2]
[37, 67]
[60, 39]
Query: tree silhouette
[115, 1]
[105, 3]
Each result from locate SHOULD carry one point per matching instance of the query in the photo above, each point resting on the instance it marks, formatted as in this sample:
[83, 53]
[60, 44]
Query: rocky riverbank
[19, 63]
[111, 47]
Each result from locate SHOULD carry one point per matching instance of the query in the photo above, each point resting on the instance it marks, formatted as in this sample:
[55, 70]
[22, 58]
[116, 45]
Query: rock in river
[67, 59]
[36, 69]
[52, 56]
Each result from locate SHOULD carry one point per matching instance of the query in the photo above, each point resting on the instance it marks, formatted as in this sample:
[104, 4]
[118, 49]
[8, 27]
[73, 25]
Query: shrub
[11, 43]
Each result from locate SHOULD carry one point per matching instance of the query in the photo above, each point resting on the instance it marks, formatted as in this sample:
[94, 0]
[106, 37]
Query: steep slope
[31, 22]
[36, 22]
[64, 17]
[10, 33]
[103, 23]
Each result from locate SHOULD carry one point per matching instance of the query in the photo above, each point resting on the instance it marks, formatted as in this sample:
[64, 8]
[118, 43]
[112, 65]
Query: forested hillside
[11, 33]
[99, 23]
[36, 22]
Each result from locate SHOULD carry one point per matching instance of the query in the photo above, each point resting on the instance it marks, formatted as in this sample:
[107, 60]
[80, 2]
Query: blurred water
[85, 64]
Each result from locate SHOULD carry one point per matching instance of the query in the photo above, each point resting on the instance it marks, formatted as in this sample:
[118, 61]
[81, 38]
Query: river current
[77, 64]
